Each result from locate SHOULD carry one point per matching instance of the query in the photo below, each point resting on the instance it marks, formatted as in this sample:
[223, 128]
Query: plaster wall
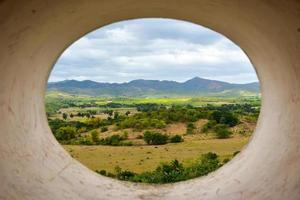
[33, 33]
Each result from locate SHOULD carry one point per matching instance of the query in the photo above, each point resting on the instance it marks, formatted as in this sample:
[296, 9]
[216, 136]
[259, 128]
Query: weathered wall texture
[33, 33]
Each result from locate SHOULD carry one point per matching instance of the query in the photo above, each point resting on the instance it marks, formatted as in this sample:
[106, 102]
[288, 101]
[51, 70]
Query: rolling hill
[145, 88]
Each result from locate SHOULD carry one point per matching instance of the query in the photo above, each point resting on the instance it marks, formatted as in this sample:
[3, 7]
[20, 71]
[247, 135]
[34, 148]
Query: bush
[112, 140]
[209, 125]
[85, 141]
[155, 138]
[64, 116]
[128, 143]
[102, 172]
[222, 131]
[176, 139]
[125, 175]
[95, 136]
[65, 133]
[224, 118]
[172, 172]
[104, 129]
[209, 156]
[226, 160]
[190, 128]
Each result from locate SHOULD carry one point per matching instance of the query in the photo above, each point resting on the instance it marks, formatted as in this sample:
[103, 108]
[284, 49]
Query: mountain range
[148, 88]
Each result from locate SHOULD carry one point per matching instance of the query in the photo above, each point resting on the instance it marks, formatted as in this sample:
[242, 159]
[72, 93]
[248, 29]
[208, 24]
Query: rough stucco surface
[33, 33]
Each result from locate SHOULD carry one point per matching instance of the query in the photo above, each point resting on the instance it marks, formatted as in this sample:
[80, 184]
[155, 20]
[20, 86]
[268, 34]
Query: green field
[146, 158]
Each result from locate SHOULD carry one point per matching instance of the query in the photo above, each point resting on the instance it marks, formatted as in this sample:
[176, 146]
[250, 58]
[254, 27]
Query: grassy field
[141, 157]
[146, 158]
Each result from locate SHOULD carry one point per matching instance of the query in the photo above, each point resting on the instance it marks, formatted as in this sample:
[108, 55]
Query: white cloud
[153, 49]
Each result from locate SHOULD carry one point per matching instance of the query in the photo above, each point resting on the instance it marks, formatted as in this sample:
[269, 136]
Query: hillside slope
[144, 88]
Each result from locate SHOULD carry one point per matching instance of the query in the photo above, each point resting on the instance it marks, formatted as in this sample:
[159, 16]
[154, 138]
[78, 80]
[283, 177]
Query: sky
[153, 49]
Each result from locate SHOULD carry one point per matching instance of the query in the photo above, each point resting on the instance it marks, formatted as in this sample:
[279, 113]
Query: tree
[224, 118]
[95, 136]
[116, 115]
[209, 125]
[176, 139]
[155, 138]
[222, 131]
[65, 133]
[65, 116]
[190, 128]
[109, 112]
[112, 140]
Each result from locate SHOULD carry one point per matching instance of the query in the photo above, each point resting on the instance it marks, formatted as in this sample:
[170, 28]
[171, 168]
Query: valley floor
[147, 158]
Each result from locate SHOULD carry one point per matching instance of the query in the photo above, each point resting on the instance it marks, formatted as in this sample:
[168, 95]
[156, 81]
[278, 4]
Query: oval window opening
[153, 100]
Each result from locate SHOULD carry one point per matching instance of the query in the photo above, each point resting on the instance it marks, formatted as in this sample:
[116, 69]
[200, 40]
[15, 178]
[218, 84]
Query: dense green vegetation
[220, 119]
[127, 122]
[57, 100]
[170, 172]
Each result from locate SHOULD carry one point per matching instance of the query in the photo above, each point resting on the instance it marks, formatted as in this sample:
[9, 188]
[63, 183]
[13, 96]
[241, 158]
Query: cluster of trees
[170, 172]
[190, 128]
[224, 117]
[140, 122]
[53, 104]
[68, 135]
[219, 122]
[221, 118]
[156, 138]
[114, 140]
[161, 116]
[221, 130]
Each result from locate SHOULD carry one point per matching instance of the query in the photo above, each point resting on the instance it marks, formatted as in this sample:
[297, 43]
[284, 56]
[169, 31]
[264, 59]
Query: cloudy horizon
[153, 49]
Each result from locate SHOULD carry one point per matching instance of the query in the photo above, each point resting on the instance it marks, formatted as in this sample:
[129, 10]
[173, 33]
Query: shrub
[102, 172]
[209, 156]
[65, 133]
[94, 122]
[125, 175]
[224, 118]
[209, 125]
[190, 128]
[222, 131]
[85, 141]
[127, 113]
[64, 116]
[82, 130]
[155, 138]
[128, 143]
[176, 139]
[226, 160]
[112, 140]
[104, 129]
[173, 171]
[95, 136]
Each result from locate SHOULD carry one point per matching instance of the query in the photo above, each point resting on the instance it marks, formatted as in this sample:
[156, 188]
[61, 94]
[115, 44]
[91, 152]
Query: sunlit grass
[146, 158]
